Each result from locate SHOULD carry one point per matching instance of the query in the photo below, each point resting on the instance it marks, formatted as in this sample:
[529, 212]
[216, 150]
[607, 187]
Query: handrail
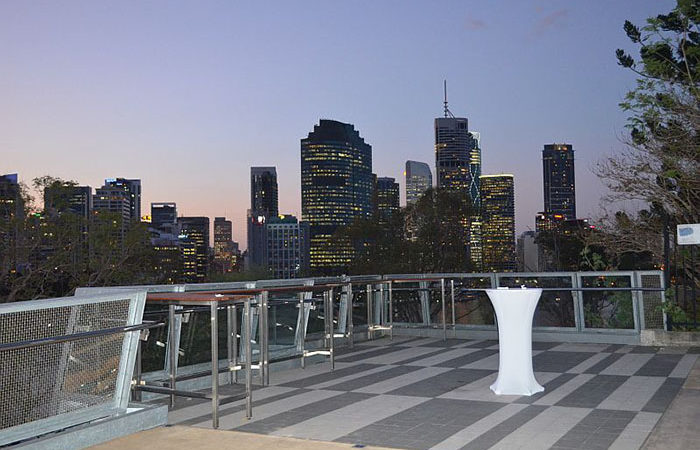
[77, 336]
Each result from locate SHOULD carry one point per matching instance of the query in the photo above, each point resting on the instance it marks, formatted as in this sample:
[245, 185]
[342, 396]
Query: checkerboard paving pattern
[422, 393]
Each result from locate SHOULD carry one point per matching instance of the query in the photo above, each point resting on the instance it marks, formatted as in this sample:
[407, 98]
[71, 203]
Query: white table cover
[515, 309]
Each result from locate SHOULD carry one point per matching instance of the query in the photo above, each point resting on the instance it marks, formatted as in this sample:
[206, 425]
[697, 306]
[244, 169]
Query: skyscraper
[387, 197]
[223, 245]
[60, 199]
[287, 246]
[336, 187]
[475, 169]
[264, 204]
[11, 210]
[263, 191]
[498, 223]
[418, 180]
[559, 182]
[195, 230]
[133, 190]
[112, 203]
[164, 217]
[452, 153]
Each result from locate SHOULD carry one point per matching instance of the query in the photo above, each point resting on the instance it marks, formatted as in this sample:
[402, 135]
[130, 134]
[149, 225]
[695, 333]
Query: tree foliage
[54, 250]
[661, 162]
[427, 236]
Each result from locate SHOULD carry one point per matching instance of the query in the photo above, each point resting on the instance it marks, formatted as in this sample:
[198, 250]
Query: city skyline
[163, 105]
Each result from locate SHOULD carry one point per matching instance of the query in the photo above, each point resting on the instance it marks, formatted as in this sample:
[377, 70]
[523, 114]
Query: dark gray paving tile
[503, 429]
[664, 395]
[645, 349]
[306, 412]
[602, 365]
[366, 380]
[612, 348]
[424, 425]
[382, 350]
[328, 376]
[598, 429]
[544, 345]
[444, 344]
[548, 387]
[558, 361]
[482, 344]
[594, 391]
[442, 383]
[224, 409]
[659, 365]
[467, 359]
[693, 350]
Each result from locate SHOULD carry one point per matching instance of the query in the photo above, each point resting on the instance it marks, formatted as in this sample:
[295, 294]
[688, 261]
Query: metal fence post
[214, 364]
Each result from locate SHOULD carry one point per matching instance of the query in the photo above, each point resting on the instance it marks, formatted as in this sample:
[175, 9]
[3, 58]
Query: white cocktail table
[515, 309]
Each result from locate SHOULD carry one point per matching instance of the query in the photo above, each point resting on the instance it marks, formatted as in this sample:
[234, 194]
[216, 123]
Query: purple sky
[187, 96]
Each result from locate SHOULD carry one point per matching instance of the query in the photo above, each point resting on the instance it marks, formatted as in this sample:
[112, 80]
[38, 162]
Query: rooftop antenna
[448, 113]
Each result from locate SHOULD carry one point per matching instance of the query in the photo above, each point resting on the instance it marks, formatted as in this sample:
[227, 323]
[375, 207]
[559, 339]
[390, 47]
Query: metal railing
[66, 361]
[302, 318]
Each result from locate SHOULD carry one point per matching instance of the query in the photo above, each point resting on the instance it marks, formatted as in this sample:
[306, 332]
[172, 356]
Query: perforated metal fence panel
[47, 386]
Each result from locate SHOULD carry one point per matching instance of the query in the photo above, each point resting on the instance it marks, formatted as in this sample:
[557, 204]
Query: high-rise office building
[559, 180]
[264, 204]
[164, 217]
[133, 190]
[418, 180]
[287, 246]
[224, 253]
[528, 252]
[475, 170]
[336, 187]
[498, 223]
[387, 197]
[452, 153]
[11, 211]
[263, 191]
[195, 230]
[61, 199]
[112, 203]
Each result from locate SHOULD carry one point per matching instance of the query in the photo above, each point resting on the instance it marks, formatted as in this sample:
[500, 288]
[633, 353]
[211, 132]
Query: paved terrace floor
[425, 393]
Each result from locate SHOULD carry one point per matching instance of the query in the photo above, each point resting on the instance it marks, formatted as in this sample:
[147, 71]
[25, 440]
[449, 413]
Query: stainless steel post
[331, 332]
[370, 334]
[302, 325]
[248, 357]
[172, 348]
[350, 325]
[265, 333]
[454, 319]
[261, 325]
[391, 313]
[136, 394]
[442, 305]
[234, 336]
[230, 341]
[214, 365]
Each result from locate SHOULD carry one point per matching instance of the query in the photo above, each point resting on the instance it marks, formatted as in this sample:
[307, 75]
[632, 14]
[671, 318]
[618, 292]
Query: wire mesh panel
[60, 379]
[652, 301]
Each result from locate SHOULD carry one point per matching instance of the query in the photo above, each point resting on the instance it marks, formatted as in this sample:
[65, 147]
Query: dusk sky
[187, 96]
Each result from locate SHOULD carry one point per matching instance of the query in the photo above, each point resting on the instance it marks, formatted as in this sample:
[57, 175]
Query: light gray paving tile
[684, 366]
[333, 425]
[628, 364]
[473, 431]
[544, 430]
[633, 394]
[488, 363]
[565, 389]
[468, 343]
[204, 409]
[402, 380]
[634, 434]
[421, 342]
[330, 383]
[577, 347]
[229, 421]
[587, 364]
[442, 357]
[286, 376]
[479, 389]
[399, 355]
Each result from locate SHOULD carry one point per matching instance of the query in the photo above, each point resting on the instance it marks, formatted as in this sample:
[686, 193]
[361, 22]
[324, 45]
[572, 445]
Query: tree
[660, 164]
[57, 250]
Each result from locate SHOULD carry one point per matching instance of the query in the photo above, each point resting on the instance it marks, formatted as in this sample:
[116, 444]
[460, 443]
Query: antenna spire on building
[448, 113]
